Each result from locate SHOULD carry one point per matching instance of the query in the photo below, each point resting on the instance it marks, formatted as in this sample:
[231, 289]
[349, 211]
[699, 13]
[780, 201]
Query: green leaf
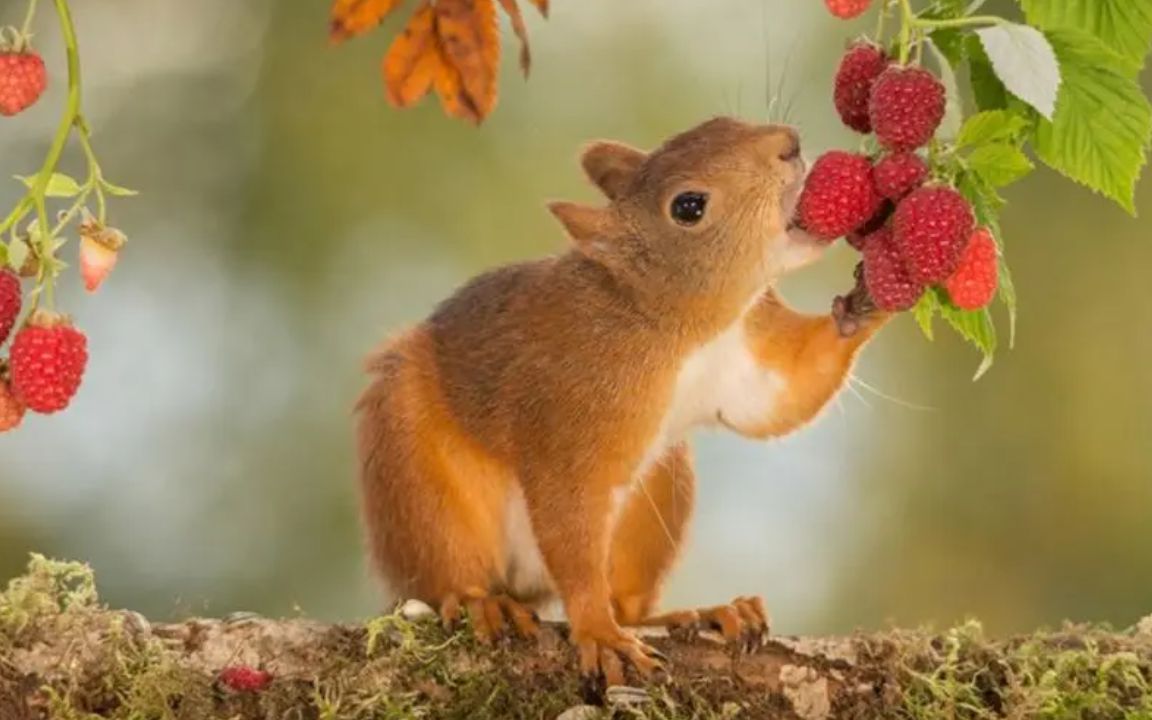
[991, 126]
[924, 311]
[1124, 25]
[1024, 60]
[999, 164]
[113, 189]
[59, 185]
[975, 326]
[953, 113]
[17, 254]
[1100, 132]
[987, 90]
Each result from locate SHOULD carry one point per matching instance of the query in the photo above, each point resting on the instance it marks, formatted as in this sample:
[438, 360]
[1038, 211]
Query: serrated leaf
[1122, 25]
[1100, 132]
[953, 113]
[1026, 63]
[975, 326]
[113, 189]
[924, 311]
[991, 126]
[999, 164]
[987, 90]
[1006, 292]
[59, 185]
[17, 254]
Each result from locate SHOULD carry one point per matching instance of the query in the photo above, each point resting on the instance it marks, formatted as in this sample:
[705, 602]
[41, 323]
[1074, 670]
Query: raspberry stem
[26, 28]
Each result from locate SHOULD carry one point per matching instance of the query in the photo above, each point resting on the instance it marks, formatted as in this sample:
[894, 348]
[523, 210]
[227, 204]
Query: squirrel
[528, 441]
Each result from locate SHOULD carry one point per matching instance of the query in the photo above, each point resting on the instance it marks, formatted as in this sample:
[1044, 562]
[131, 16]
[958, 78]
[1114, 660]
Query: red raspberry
[245, 679]
[885, 275]
[847, 9]
[932, 227]
[11, 300]
[856, 237]
[859, 68]
[23, 78]
[973, 284]
[838, 195]
[898, 174]
[11, 409]
[906, 107]
[48, 361]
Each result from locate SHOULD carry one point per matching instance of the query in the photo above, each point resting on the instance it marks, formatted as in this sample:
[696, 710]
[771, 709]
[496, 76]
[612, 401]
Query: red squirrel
[529, 440]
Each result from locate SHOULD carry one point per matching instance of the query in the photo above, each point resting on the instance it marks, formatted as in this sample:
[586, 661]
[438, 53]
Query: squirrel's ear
[611, 166]
[589, 227]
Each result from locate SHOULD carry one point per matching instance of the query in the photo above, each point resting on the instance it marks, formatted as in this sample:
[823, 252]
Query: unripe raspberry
[974, 283]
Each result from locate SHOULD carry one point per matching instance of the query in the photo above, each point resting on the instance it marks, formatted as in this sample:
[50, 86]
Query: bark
[63, 655]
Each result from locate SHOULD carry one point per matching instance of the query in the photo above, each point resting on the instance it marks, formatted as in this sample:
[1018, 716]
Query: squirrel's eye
[688, 207]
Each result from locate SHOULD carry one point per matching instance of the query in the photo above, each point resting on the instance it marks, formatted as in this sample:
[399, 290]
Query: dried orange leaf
[414, 58]
[356, 17]
[541, 5]
[470, 38]
[453, 99]
[513, 10]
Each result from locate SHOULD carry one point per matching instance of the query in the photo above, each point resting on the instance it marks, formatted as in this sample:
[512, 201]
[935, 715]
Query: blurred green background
[289, 220]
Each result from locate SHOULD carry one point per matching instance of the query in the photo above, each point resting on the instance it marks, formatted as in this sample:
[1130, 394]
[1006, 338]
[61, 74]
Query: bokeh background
[289, 220]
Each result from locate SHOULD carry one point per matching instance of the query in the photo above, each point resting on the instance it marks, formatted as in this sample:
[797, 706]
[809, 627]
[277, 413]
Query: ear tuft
[587, 226]
[611, 166]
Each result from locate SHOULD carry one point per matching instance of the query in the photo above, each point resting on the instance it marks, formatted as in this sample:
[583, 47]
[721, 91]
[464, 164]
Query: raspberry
[906, 107]
[847, 9]
[885, 275]
[48, 361]
[856, 238]
[838, 195]
[898, 174]
[23, 78]
[245, 679]
[11, 409]
[973, 284]
[859, 68]
[11, 300]
[931, 227]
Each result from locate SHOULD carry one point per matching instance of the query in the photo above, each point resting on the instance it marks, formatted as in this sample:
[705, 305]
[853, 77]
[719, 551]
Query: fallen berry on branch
[245, 679]
[48, 358]
[858, 70]
[906, 107]
[838, 195]
[23, 78]
[847, 9]
[898, 174]
[931, 228]
[885, 275]
[11, 300]
[11, 409]
[974, 283]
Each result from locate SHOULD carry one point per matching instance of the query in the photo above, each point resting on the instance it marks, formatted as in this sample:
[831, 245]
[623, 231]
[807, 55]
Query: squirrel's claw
[489, 616]
[607, 661]
[851, 311]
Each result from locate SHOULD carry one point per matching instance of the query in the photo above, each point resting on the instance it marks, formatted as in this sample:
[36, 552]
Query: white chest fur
[720, 379]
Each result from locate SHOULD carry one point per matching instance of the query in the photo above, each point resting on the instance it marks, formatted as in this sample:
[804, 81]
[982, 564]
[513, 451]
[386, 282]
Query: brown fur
[552, 378]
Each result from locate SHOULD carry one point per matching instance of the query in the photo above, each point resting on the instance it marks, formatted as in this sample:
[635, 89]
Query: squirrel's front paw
[854, 310]
[606, 659]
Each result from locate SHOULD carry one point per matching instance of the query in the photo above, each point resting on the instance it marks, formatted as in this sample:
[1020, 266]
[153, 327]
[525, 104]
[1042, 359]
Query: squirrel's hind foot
[490, 616]
[743, 623]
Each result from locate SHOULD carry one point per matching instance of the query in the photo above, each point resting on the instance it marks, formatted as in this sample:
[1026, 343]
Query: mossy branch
[63, 655]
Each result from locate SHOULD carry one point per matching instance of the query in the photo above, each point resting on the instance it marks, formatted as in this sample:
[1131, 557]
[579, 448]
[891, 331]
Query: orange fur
[496, 437]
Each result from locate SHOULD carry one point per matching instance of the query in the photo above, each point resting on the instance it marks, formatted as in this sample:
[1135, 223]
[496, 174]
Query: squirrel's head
[704, 218]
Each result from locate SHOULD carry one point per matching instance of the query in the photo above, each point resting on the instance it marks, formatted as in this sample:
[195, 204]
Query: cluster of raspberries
[912, 232]
[46, 361]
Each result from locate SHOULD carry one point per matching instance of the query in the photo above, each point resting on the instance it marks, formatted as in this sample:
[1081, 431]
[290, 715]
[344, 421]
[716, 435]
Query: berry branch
[48, 354]
[922, 201]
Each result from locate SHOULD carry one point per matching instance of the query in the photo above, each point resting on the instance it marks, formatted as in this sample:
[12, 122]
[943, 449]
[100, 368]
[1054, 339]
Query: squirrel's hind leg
[645, 544]
[434, 502]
